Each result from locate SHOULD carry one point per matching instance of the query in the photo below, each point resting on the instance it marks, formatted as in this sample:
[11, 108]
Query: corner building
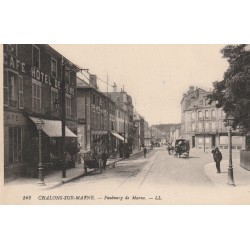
[32, 91]
[203, 124]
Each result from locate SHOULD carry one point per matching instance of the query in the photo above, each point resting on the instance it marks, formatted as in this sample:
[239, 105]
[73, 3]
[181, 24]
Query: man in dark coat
[145, 151]
[217, 158]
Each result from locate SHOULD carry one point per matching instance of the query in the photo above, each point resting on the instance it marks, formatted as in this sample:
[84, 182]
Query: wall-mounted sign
[12, 118]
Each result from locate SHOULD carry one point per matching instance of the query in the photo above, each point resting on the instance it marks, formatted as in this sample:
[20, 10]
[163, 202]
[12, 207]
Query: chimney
[93, 80]
[114, 87]
[191, 89]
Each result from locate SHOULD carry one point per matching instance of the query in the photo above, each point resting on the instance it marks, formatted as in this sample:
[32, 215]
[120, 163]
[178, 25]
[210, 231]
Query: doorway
[193, 141]
[213, 140]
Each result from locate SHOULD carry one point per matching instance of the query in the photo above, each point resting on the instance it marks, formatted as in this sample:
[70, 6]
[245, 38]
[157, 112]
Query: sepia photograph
[122, 124]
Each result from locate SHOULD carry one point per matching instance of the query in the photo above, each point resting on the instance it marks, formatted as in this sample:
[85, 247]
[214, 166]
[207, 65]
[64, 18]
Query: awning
[119, 137]
[53, 128]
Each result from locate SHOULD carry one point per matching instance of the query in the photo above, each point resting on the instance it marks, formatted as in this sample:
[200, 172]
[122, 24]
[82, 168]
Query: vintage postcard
[125, 124]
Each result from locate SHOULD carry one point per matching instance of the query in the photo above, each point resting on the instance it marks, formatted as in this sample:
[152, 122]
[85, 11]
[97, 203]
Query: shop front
[15, 129]
[51, 145]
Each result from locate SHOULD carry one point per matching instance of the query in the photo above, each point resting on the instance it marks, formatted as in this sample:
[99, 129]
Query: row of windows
[13, 94]
[102, 103]
[207, 126]
[207, 114]
[12, 48]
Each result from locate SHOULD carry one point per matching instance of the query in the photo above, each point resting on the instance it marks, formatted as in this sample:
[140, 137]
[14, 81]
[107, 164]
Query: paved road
[158, 169]
[159, 178]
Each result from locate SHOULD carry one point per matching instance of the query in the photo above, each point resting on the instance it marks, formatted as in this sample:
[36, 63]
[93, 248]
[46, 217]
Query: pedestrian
[104, 159]
[145, 151]
[217, 158]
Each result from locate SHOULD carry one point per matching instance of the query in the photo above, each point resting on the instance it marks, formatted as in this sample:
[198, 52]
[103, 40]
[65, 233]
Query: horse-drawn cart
[92, 161]
[182, 147]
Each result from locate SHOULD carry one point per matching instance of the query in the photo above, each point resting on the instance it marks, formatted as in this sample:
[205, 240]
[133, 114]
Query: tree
[233, 92]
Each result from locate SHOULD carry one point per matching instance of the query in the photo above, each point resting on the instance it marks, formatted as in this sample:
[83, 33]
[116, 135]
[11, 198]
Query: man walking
[145, 152]
[217, 158]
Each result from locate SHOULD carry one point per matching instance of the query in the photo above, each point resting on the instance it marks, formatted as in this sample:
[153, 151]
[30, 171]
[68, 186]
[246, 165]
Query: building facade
[203, 124]
[102, 125]
[32, 91]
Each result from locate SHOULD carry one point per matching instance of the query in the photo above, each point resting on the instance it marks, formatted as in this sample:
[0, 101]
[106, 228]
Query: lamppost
[229, 123]
[40, 125]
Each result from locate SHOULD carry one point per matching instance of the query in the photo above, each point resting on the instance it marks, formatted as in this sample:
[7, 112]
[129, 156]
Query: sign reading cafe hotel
[15, 64]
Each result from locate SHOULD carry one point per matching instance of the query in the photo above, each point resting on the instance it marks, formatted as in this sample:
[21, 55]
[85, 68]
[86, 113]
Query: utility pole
[63, 117]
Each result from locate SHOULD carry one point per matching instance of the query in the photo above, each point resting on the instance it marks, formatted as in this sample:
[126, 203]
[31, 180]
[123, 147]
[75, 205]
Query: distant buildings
[203, 123]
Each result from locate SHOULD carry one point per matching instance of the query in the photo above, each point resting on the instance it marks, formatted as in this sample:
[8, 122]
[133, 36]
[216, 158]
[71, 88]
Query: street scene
[126, 124]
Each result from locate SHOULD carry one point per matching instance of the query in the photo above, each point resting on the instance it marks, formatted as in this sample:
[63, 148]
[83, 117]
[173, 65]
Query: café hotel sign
[13, 63]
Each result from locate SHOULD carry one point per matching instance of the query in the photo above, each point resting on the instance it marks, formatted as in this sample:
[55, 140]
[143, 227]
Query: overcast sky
[156, 76]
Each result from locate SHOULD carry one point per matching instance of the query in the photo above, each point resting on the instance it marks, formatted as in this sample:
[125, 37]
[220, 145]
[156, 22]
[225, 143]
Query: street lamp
[229, 123]
[40, 125]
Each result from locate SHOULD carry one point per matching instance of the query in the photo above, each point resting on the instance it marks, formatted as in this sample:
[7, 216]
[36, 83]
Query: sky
[156, 76]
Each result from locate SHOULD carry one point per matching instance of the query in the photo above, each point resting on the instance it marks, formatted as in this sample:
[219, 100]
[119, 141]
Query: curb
[83, 174]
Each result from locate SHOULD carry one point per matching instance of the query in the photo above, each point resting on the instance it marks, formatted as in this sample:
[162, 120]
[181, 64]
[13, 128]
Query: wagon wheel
[100, 166]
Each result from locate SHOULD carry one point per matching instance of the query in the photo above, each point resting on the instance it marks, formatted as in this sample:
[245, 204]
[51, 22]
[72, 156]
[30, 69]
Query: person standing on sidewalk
[145, 152]
[217, 158]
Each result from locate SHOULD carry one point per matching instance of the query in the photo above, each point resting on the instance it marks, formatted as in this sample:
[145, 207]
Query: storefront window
[15, 145]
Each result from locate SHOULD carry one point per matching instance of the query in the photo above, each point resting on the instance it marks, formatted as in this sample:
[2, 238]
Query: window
[200, 140]
[93, 98]
[15, 144]
[206, 126]
[207, 140]
[201, 102]
[213, 126]
[53, 68]
[20, 91]
[188, 103]
[13, 89]
[67, 76]
[68, 106]
[35, 57]
[36, 95]
[54, 98]
[200, 125]
[193, 116]
[193, 127]
[213, 114]
[6, 88]
[200, 116]
[206, 114]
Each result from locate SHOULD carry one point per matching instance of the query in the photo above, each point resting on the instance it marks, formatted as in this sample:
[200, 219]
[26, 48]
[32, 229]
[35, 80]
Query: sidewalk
[54, 179]
[241, 175]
